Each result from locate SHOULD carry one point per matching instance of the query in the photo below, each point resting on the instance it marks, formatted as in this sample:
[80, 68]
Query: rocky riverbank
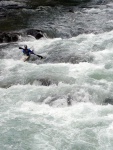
[14, 36]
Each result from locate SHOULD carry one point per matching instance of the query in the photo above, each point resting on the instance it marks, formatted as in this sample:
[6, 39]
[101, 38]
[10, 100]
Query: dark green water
[17, 19]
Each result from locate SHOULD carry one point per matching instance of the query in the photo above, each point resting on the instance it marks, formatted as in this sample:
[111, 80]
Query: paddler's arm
[31, 51]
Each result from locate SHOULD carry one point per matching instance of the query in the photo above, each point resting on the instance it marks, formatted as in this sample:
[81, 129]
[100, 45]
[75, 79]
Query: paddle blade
[20, 48]
[40, 56]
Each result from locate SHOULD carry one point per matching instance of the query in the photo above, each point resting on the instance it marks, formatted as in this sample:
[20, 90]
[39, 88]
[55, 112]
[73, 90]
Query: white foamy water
[34, 95]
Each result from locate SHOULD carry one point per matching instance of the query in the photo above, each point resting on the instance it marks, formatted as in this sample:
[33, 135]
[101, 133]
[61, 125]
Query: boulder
[15, 37]
[1, 40]
[36, 33]
[8, 37]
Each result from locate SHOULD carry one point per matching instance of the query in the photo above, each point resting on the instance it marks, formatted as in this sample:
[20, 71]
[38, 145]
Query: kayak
[25, 58]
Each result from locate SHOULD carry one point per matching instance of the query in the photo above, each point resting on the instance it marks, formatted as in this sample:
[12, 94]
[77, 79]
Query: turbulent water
[59, 102]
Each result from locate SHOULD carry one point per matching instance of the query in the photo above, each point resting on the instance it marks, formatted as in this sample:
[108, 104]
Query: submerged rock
[45, 82]
[108, 101]
[69, 100]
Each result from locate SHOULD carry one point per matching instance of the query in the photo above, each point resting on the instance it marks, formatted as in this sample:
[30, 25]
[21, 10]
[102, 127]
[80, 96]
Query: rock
[69, 100]
[1, 40]
[45, 82]
[71, 10]
[8, 37]
[108, 101]
[14, 37]
[36, 33]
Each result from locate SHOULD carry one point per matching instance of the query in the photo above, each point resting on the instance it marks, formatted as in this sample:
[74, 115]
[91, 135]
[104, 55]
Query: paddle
[34, 53]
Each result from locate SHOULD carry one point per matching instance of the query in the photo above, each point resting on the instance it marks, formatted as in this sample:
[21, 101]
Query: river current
[64, 101]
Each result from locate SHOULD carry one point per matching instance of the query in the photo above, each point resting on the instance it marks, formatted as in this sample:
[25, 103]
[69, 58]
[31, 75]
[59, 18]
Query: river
[64, 101]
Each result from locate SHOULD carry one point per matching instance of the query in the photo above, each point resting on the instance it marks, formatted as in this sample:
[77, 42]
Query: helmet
[25, 46]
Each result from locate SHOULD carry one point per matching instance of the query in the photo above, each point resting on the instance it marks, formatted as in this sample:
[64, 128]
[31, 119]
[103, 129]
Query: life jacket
[27, 52]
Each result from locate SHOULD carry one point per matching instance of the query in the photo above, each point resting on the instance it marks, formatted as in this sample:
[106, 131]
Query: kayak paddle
[34, 53]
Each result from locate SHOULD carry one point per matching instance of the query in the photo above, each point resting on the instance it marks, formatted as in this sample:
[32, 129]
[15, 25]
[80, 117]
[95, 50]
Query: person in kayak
[27, 52]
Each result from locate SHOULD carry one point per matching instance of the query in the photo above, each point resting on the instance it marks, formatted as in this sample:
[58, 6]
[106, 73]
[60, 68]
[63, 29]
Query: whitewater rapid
[34, 95]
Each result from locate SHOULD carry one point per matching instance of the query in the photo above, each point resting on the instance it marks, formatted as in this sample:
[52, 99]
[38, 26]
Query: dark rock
[14, 37]
[1, 40]
[8, 37]
[36, 33]
[69, 100]
[45, 82]
[108, 101]
[71, 10]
